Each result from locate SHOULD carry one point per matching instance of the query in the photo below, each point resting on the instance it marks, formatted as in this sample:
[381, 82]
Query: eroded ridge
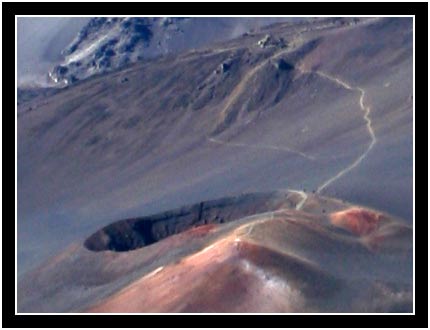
[238, 90]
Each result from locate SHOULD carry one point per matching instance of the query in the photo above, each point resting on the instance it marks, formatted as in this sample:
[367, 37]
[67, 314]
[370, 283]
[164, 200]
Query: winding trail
[367, 119]
[262, 146]
[304, 197]
[238, 90]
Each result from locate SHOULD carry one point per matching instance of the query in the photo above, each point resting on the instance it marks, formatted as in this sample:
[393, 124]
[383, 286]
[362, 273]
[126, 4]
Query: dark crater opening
[131, 234]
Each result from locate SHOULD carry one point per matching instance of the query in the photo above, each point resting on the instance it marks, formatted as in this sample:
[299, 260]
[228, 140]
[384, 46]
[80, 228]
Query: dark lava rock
[281, 64]
[131, 234]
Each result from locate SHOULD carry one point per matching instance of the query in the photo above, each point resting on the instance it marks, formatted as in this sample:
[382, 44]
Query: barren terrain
[310, 121]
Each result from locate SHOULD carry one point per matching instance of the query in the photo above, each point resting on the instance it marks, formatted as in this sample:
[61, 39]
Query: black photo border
[10, 319]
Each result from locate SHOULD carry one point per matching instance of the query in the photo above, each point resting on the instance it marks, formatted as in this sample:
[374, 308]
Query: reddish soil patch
[227, 276]
[358, 221]
[200, 230]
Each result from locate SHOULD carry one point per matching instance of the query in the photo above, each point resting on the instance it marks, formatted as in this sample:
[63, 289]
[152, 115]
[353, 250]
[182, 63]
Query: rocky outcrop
[108, 43]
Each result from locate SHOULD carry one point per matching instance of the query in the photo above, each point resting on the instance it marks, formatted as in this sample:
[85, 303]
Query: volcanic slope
[250, 253]
[256, 113]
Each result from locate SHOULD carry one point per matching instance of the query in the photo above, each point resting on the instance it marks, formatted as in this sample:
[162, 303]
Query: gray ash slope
[108, 43]
[228, 119]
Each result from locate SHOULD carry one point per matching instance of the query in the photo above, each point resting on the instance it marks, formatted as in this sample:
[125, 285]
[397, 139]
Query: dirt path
[262, 146]
[303, 196]
[366, 116]
[367, 119]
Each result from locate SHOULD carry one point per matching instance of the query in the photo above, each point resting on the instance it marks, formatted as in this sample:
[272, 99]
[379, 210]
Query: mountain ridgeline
[108, 43]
